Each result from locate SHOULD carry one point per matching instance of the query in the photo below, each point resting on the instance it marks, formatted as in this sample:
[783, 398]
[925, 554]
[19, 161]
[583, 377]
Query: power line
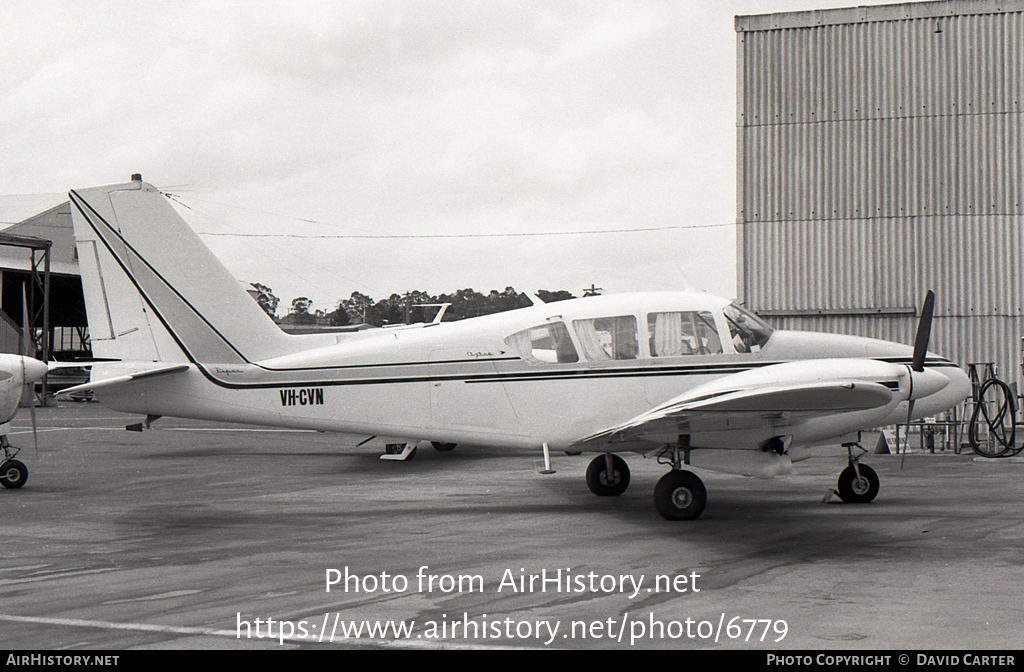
[422, 236]
[462, 235]
[239, 207]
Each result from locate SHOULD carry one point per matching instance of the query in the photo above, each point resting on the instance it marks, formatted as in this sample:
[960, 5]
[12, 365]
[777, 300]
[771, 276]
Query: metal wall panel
[812, 264]
[881, 152]
[10, 339]
[974, 264]
[881, 168]
[964, 340]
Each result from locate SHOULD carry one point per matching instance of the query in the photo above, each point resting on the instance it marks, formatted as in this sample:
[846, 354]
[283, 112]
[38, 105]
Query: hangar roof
[54, 225]
[907, 10]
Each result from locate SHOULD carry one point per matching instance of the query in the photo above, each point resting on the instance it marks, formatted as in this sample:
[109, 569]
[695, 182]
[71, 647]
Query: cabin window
[606, 338]
[683, 333]
[544, 344]
[749, 332]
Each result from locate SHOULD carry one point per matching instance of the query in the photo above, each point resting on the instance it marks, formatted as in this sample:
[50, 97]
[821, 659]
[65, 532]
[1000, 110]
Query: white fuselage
[470, 381]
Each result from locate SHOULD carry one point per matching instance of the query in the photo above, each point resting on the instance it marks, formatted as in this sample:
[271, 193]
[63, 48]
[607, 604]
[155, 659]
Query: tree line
[400, 308]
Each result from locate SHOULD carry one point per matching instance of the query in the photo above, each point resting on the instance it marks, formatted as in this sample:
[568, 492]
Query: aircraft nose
[959, 387]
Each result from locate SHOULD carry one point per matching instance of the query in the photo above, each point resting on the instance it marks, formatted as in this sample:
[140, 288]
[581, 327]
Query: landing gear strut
[679, 494]
[13, 473]
[858, 483]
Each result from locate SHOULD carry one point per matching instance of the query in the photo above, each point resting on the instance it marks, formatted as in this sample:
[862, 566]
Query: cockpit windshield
[748, 331]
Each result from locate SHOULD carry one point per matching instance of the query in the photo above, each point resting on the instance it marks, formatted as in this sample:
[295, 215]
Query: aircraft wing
[785, 394]
[125, 378]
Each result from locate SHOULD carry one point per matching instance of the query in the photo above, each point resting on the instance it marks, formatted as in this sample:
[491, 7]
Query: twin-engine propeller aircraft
[693, 379]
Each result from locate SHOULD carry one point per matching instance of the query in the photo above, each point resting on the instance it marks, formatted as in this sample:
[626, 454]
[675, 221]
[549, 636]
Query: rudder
[155, 292]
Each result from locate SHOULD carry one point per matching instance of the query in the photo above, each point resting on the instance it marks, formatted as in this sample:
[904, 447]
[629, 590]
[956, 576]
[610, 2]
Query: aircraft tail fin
[155, 292]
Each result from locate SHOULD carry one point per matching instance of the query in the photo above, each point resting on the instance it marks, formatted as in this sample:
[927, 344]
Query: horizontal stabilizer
[54, 365]
[127, 378]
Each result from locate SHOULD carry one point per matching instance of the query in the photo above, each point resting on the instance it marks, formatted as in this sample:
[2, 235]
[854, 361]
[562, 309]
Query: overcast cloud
[395, 117]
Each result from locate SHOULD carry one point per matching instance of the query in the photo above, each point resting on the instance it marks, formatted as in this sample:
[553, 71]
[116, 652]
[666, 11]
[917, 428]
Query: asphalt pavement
[204, 536]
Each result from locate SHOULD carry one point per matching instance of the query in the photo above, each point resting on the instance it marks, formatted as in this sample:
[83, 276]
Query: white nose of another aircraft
[15, 372]
[15, 365]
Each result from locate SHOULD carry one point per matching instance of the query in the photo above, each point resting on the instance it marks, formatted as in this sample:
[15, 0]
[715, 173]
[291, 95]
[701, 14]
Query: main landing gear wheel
[680, 495]
[603, 484]
[13, 474]
[857, 490]
[443, 447]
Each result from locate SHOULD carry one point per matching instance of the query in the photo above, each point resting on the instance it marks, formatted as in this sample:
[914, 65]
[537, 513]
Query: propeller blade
[24, 322]
[35, 435]
[24, 344]
[924, 331]
[28, 387]
[906, 443]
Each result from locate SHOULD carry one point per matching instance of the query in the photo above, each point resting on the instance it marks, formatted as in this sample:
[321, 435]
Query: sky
[327, 147]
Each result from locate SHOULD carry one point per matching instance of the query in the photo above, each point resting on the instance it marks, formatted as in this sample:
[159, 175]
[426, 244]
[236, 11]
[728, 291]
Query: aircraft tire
[597, 476]
[13, 474]
[858, 491]
[680, 495]
[443, 447]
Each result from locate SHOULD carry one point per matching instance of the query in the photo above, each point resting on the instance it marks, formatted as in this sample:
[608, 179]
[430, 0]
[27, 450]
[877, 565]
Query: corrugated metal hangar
[881, 154]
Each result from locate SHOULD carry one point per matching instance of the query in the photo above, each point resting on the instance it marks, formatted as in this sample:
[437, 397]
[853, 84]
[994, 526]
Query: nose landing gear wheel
[603, 484]
[680, 495]
[854, 490]
[13, 474]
